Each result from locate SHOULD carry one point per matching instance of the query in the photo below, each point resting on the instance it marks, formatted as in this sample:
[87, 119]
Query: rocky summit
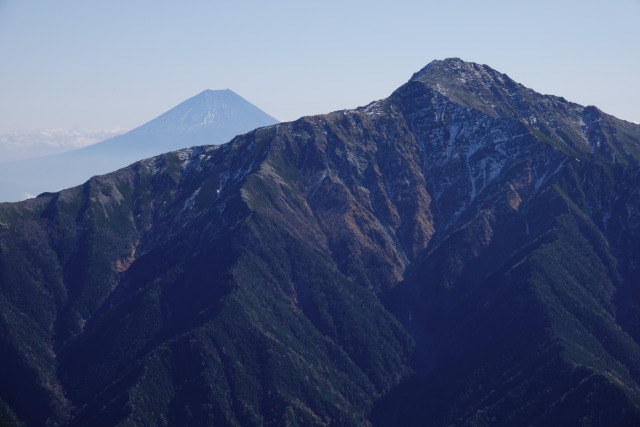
[464, 252]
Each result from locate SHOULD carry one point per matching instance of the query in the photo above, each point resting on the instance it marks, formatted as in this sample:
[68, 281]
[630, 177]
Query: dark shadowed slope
[464, 252]
[211, 117]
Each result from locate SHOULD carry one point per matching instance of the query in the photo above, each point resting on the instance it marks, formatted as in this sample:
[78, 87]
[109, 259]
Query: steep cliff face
[462, 252]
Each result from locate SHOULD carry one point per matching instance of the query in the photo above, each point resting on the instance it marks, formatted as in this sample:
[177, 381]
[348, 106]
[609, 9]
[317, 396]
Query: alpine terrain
[464, 252]
[211, 117]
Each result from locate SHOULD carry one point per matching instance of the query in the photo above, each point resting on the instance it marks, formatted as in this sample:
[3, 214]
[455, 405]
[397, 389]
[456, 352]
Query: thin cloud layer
[23, 145]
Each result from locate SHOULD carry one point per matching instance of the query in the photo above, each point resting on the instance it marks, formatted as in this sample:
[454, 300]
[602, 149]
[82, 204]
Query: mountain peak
[211, 108]
[477, 86]
[454, 74]
[214, 91]
[448, 63]
[451, 68]
[211, 93]
[565, 125]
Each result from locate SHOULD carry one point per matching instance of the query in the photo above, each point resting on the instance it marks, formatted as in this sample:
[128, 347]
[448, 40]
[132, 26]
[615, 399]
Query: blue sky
[71, 64]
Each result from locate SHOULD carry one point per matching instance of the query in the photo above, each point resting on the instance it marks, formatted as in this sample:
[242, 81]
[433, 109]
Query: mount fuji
[211, 117]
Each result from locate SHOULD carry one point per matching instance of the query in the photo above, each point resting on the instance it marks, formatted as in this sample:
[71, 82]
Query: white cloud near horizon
[24, 145]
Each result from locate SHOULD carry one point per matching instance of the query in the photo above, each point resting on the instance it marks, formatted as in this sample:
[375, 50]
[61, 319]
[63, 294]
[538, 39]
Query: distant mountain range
[211, 117]
[465, 252]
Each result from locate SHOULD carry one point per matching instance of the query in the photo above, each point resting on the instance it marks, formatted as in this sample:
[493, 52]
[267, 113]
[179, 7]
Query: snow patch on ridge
[191, 201]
